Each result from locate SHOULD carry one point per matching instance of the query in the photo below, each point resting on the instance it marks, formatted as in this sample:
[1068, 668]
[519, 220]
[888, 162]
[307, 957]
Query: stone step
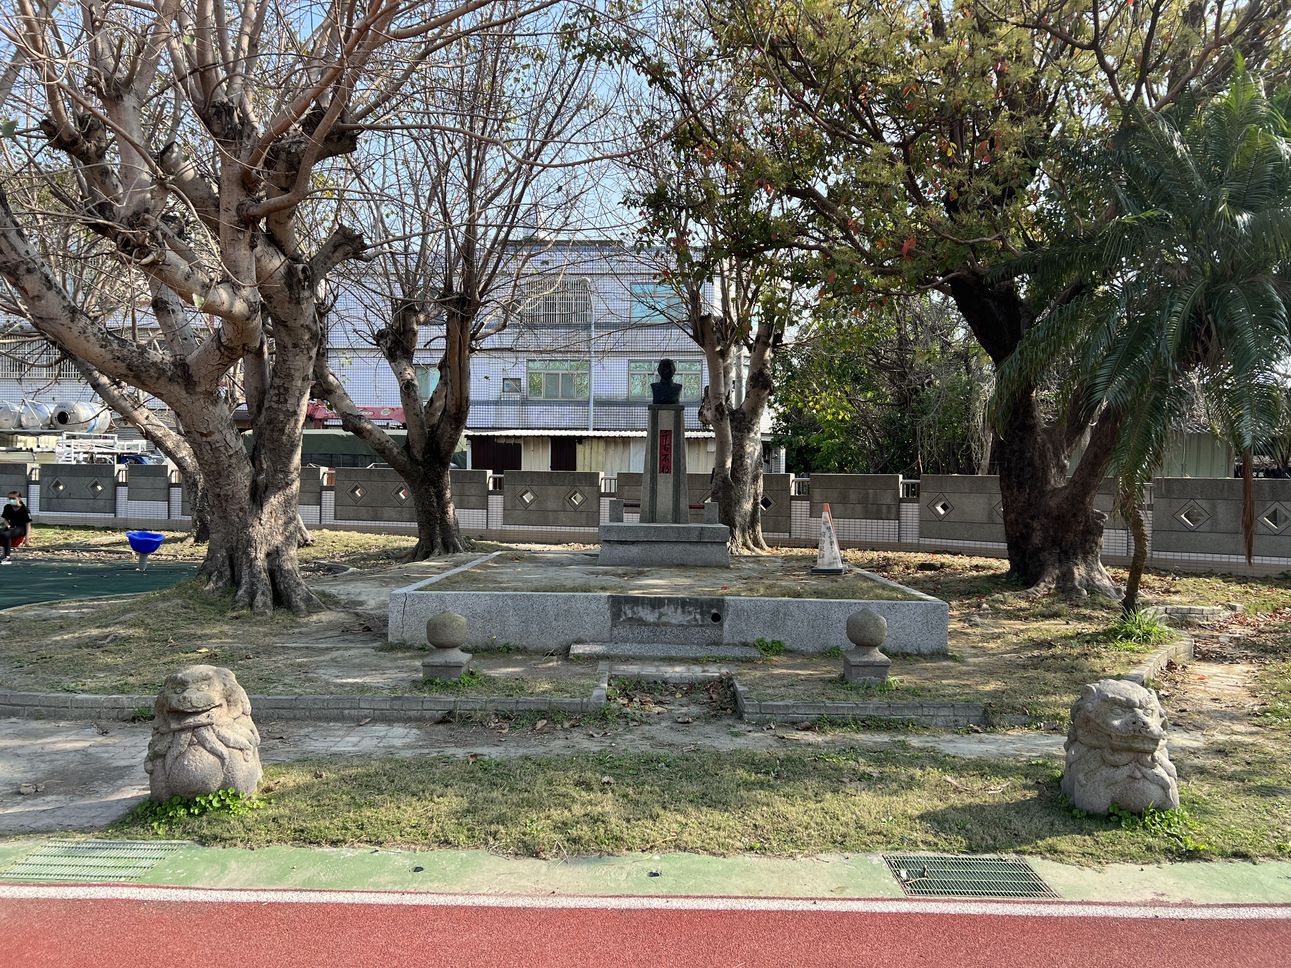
[661, 650]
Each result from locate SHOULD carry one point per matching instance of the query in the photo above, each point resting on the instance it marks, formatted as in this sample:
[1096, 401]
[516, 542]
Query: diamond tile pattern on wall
[1192, 515]
[940, 506]
[1276, 518]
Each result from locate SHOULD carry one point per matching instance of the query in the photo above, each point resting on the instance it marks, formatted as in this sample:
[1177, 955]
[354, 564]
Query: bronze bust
[666, 390]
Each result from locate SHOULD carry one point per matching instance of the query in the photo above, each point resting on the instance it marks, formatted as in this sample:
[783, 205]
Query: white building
[565, 385]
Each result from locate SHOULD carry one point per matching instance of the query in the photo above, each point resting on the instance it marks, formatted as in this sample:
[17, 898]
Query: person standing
[17, 522]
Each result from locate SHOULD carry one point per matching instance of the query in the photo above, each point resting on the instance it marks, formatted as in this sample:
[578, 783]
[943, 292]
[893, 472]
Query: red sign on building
[665, 451]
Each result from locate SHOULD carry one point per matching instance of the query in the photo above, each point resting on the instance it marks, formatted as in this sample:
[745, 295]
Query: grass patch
[1136, 632]
[351, 548]
[784, 802]
[475, 683]
[1273, 686]
[162, 816]
[772, 647]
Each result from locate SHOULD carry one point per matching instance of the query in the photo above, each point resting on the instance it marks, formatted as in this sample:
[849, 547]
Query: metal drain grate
[934, 875]
[90, 860]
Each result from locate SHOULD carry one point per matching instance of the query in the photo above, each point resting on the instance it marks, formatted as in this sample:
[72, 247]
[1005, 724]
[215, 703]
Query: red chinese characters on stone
[665, 451]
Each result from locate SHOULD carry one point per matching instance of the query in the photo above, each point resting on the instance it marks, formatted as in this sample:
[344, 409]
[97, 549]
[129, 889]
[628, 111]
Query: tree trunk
[254, 502]
[1138, 520]
[1053, 531]
[738, 492]
[432, 499]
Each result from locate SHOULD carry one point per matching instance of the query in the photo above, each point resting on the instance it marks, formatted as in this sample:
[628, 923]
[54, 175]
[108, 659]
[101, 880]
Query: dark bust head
[665, 390]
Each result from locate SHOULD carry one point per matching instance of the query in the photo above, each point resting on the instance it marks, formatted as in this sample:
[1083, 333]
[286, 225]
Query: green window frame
[562, 379]
[641, 373]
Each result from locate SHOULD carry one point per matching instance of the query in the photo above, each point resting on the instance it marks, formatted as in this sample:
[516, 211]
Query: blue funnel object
[144, 543]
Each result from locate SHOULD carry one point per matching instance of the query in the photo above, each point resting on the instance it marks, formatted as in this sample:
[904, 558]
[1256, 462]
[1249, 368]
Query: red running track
[137, 933]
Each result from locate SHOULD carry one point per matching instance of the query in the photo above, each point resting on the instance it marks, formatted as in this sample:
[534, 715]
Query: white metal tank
[10, 415]
[35, 416]
[74, 417]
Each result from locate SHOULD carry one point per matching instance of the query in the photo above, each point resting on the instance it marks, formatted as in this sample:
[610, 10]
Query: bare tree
[92, 278]
[505, 131]
[197, 138]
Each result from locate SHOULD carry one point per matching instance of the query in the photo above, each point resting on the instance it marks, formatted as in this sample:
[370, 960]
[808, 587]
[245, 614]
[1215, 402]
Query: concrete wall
[539, 621]
[1195, 523]
[372, 494]
[552, 499]
[78, 489]
[148, 482]
[1195, 519]
[13, 477]
[865, 507]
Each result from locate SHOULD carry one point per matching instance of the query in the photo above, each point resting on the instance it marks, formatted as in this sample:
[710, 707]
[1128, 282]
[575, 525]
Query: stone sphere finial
[867, 629]
[865, 664]
[446, 634]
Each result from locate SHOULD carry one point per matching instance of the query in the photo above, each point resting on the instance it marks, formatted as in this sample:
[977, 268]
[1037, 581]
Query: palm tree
[1183, 289]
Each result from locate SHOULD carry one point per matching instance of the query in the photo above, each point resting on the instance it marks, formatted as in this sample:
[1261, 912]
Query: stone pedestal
[665, 498]
[865, 664]
[662, 545]
[663, 535]
[445, 633]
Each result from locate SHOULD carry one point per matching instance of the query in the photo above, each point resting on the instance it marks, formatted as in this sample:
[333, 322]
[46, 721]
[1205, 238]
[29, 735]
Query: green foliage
[834, 652]
[1174, 826]
[159, 816]
[470, 679]
[1176, 298]
[1136, 630]
[898, 388]
[772, 647]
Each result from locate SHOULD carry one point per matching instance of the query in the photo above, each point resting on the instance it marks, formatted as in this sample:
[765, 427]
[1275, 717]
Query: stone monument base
[865, 667]
[654, 545]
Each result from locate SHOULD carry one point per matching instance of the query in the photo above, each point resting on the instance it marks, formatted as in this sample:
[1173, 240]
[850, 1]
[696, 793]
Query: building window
[559, 379]
[511, 385]
[557, 302]
[641, 373]
[654, 302]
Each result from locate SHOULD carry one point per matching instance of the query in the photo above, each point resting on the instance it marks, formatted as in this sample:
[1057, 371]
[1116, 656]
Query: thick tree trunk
[254, 502]
[432, 499]
[1053, 531]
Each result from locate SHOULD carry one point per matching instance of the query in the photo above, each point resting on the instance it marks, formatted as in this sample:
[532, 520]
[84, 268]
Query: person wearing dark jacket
[17, 521]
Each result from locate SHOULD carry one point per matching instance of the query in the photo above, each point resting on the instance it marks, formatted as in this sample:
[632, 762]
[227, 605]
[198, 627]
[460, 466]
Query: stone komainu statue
[1116, 750]
[203, 738]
